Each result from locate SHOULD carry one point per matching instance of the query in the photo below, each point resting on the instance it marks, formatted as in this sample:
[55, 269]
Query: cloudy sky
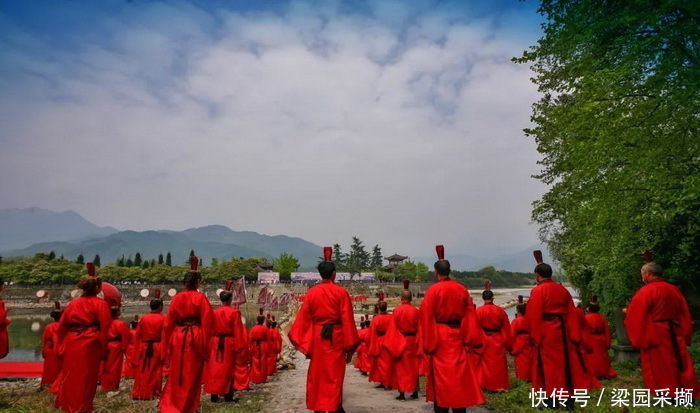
[398, 122]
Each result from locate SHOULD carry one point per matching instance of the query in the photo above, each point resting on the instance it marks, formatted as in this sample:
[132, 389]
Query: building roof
[395, 257]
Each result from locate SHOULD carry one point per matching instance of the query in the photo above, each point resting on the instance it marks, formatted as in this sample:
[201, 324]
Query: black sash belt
[565, 342]
[149, 354]
[491, 331]
[220, 346]
[327, 331]
[674, 341]
[111, 340]
[187, 323]
[381, 333]
[409, 333]
[451, 324]
[80, 328]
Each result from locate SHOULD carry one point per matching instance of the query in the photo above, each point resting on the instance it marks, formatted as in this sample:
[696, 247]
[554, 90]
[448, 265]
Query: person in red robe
[599, 342]
[241, 377]
[494, 322]
[521, 347]
[402, 344]
[4, 322]
[276, 345]
[148, 353]
[52, 365]
[583, 375]
[448, 324]
[554, 330]
[258, 338]
[362, 359]
[118, 339]
[658, 323]
[186, 334]
[82, 337]
[325, 332]
[128, 368]
[227, 340]
[383, 362]
[271, 347]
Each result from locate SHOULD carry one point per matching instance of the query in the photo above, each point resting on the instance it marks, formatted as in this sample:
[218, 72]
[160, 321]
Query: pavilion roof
[395, 257]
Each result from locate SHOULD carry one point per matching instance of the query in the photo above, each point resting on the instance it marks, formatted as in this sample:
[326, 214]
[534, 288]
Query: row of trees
[358, 259]
[618, 128]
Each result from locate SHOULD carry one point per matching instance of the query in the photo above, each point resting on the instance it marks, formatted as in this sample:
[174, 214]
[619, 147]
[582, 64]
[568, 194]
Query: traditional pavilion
[394, 261]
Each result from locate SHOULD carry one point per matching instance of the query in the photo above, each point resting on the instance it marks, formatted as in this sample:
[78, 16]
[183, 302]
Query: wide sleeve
[350, 337]
[126, 336]
[206, 315]
[685, 320]
[516, 344]
[47, 340]
[394, 341]
[505, 330]
[4, 321]
[534, 314]
[104, 317]
[301, 333]
[638, 321]
[239, 332]
[472, 334]
[428, 327]
[373, 347]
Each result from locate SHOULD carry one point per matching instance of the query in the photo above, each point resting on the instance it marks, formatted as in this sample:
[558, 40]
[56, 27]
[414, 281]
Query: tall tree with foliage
[339, 258]
[618, 127]
[377, 261]
[169, 259]
[138, 260]
[160, 259]
[52, 256]
[359, 258]
[80, 259]
[285, 264]
[97, 261]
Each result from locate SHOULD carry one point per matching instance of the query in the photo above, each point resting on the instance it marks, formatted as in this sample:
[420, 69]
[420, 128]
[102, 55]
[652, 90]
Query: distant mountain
[20, 228]
[522, 261]
[215, 241]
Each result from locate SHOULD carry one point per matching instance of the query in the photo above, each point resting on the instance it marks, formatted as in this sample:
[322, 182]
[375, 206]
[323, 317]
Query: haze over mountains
[25, 232]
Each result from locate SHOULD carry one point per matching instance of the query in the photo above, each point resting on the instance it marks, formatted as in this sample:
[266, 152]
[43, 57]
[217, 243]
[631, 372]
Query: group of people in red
[461, 349]
[191, 345]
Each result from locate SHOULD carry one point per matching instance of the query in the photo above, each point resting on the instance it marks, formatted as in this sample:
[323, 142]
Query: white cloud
[312, 123]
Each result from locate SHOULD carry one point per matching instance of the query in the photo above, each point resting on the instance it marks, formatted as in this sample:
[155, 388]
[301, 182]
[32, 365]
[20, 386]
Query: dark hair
[114, 311]
[521, 308]
[382, 306]
[261, 319]
[56, 315]
[225, 296]
[442, 267]
[90, 285]
[544, 270]
[326, 268]
[406, 295]
[593, 308]
[274, 324]
[487, 295]
[191, 279]
[156, 303]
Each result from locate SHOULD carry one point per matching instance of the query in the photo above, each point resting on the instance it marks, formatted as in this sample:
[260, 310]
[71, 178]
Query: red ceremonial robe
[584, 377]
[128, 369]
[599, 343]
[241, 378]
[52, 365]
[274, 346]
[402, 343]
[362, 361]
[493, 365]
[82, 343]
[521, 347]
[383, 362]
[147, 357]
[658, 323]
[325, 304]
[187, 331]
[448, 324]
[118, 339]
[553, 324]
[227, 340]
[258, 338]
[4, 342]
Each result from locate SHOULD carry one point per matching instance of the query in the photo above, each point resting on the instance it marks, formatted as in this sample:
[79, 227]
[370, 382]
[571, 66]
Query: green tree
[52, 256]
[129, 262]
[214, 261]
[412, 271]
[146, 264]
[169, 259]
[120, 262]
[339, 258]
[138, 260]
[97, 261]
[359, 258]
[160, 258]
[377, 260]
[286, 264]
[80, 259]
[618, 127]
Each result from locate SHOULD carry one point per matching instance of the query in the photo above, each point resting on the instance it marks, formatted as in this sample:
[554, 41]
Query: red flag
[239, 293]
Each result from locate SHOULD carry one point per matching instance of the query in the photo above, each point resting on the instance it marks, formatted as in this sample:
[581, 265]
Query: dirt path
[286, 393]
